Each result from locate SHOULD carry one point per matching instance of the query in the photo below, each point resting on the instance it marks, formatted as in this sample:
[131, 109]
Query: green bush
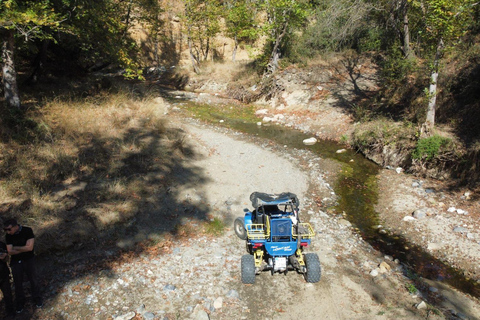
[411, 288]
[429, 148]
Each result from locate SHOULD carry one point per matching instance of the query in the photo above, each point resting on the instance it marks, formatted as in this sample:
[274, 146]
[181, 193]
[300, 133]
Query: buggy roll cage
[260, 199]
[265, 203]
[268, 205]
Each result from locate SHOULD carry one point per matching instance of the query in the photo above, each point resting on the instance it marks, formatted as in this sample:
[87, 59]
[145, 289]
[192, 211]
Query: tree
[152, 21]
[26, 19]
[335, 25]
[281, 15]
[241, 22]
[445, 22]
[202, 22]
[98, 33]
[400, 21]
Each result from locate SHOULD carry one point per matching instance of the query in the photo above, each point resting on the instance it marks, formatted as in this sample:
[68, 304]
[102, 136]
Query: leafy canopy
[444, 20]
[29, 17]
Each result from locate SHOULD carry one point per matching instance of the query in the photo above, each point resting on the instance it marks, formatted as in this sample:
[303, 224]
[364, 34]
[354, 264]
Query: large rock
[310, 141]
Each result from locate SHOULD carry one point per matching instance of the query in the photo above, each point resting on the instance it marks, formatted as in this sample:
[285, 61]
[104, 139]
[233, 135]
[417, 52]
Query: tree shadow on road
[120, 205]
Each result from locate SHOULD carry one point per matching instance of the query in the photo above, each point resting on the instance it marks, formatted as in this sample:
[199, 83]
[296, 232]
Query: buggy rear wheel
[314, 270]
[239, 228]
[248, 269]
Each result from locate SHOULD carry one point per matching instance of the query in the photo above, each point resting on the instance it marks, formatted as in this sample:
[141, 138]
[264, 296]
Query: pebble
[384, 267]
[344, 222]
[128, 316]
[420, 213]
[233, 294]
[169, 287]
[218, 304]
[148, 316]
[460, 229]
[434, 246]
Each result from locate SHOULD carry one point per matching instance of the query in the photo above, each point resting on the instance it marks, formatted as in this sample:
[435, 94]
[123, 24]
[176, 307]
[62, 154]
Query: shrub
[411, 288]
[429, 148]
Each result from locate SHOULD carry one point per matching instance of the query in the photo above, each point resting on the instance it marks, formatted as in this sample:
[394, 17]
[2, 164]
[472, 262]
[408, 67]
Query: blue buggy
[275, 238]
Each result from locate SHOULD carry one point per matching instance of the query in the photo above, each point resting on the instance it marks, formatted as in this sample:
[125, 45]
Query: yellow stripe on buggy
[258, 231]
[305, 231]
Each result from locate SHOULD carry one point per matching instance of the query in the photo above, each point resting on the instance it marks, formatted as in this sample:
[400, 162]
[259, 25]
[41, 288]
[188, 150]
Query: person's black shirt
[19, 239]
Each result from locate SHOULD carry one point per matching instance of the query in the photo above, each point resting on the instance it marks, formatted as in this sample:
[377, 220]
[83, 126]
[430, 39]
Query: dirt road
[199, 277]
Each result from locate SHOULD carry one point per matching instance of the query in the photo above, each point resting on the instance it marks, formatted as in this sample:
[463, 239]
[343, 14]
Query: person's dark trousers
[27, 267]
[7, 295]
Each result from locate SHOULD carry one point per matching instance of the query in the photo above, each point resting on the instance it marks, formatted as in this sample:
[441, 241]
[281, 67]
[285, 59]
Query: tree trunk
[156, 56]
[207, 48]
[12, 96]
[432, 91]
[432, 98]
[273, 65]
[192, 56]
[127, 18]
[234, 53]
[39, 63]
[406, 31]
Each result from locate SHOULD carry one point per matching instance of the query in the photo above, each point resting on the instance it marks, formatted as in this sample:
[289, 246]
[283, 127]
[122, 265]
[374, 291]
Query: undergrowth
[393, 144]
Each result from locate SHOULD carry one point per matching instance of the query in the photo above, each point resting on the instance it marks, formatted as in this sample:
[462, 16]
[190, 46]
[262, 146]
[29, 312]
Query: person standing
[5, 280]
[20, 242]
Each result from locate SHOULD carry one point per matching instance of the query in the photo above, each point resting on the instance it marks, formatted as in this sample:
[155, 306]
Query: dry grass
[88, 161]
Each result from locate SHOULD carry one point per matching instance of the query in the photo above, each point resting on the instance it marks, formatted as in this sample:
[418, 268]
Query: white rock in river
[310, 141]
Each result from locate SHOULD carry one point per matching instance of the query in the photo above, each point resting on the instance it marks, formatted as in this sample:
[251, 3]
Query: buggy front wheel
[239, 228]
[248, 269]
[314, 270]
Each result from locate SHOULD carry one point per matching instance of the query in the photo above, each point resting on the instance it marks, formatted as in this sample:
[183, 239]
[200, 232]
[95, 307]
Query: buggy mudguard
[248, 219]
[281, 249]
